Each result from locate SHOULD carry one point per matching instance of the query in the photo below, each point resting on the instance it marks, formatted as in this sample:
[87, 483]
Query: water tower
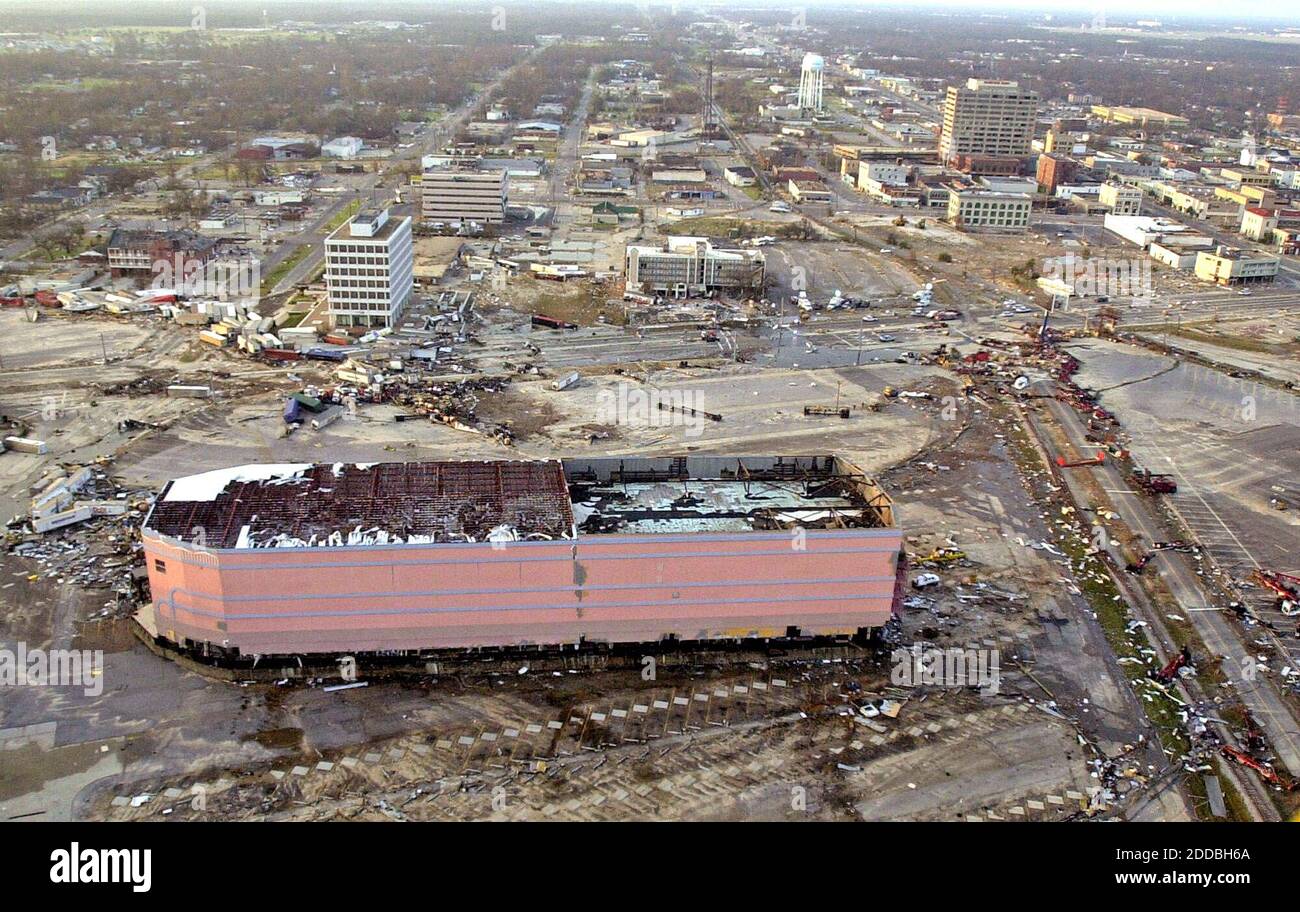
[810, 82]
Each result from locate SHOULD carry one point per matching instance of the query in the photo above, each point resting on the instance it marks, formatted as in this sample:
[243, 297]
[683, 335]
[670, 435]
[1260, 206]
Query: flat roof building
[687, 265]
[977, 209]
[369, 265]
[990, 117]
[301, 559]
[1233, 266]
[1121, 199]
[1143, 117]
[464, 194]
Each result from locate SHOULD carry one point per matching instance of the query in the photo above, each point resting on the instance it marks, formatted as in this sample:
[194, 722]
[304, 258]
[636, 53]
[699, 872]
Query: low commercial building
[1137, 116]
[740, 175]
[1258, 223]
[979, 165]
[1120, 199]
[977, 209]
[688, 265]
[343, 147]
[146, 254]
[679, 176]
[810, 191]
[1234, 266]
[369, 269]
[1197, 201]
[464, 194]
[893, 174]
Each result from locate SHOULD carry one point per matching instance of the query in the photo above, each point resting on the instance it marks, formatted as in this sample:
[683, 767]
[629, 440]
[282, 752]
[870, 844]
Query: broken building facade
[310, 559]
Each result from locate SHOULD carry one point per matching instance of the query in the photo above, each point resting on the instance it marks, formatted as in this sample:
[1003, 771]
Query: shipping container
[27, 445]
[281, 354]
[189, 392]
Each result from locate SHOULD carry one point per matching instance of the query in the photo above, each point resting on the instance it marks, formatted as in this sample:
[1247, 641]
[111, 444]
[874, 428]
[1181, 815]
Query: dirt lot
[713, 743]
[765, 742]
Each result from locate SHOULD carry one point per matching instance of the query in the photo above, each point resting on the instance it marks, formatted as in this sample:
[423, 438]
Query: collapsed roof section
[723, 494]
[261, 506]
[302, 505]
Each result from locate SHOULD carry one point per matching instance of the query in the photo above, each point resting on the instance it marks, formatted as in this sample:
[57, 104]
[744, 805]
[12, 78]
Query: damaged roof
[303, 505]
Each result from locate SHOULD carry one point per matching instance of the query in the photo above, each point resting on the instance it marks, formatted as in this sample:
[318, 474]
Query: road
[315, 235]
[1198, 606]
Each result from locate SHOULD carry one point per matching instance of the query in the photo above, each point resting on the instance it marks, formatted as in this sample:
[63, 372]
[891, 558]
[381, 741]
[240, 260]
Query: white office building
[369, 261]
[973, 209]
[343, 147]
[687, 265]
[464, 194]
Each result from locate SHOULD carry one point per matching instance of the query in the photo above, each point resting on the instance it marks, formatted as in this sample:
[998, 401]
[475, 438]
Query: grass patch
[720, 226]
[347, 212]
[1236, 343]
[279, 272]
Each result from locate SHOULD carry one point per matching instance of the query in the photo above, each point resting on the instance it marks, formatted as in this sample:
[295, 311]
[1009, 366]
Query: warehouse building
[464, 195]
[682, 266]
[300, 559]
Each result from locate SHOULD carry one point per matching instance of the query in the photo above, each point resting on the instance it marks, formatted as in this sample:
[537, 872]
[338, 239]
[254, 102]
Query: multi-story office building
[988, 117]
[976, 209]
[369, 262]
[1054, 170]
[464, 194]
[686, 265]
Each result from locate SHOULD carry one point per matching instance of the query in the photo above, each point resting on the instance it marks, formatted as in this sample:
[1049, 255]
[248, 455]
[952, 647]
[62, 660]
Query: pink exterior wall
[613, 588]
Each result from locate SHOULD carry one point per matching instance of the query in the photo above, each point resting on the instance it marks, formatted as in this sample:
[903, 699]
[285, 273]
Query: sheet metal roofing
[258, 506]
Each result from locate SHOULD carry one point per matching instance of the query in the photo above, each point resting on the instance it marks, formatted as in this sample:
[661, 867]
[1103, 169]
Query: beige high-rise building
[988, 117]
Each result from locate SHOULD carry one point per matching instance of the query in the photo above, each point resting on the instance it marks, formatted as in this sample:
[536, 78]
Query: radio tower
[707, 126]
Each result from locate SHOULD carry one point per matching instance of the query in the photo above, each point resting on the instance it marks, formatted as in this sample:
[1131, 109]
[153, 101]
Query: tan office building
[988, 117]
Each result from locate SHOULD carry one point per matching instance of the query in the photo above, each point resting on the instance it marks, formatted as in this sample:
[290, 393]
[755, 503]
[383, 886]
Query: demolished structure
[285, 560]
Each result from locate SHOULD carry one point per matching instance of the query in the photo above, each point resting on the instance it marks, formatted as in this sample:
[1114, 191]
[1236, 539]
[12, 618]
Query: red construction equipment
[1285, 586]
[1154, 483]
[1170, 671]
[1266, 772]
[1096, 460]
